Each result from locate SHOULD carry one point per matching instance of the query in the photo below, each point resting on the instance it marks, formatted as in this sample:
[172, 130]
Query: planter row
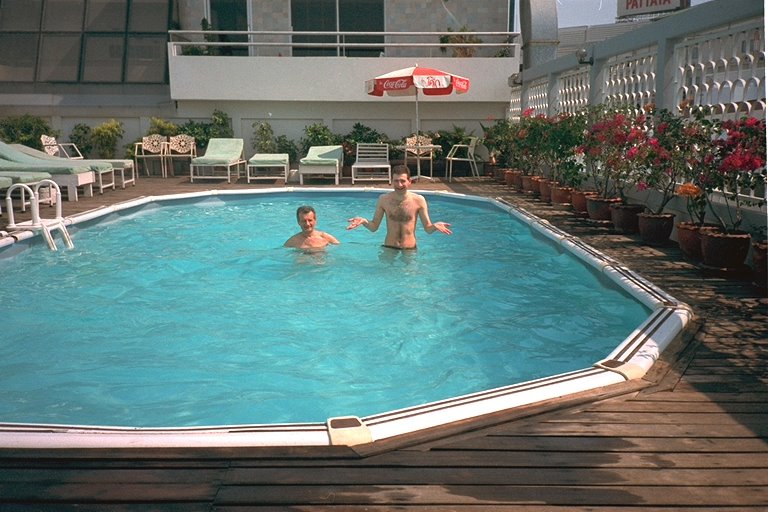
[705, 245]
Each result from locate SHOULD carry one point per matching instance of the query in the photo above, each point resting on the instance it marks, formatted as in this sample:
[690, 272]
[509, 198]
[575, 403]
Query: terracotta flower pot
[760, 264]
[531, 184]
[689, 239]
[624, 217]
[561, 195]
[724, 251]
[545, 189]
[655, 228]
[517, 179]
[579, 200]
[508, 177]
[599, 208]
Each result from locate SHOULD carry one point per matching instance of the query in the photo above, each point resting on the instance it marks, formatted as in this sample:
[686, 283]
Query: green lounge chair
[118, 166]
[273, 165]
[68, 174]
[11, 176]
[322, 160]
[220, 155]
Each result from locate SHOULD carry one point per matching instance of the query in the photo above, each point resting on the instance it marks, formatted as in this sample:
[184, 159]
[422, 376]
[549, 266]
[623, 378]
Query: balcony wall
[291, 92]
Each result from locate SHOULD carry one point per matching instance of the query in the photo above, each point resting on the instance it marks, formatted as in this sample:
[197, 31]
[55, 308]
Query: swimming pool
[417, 327]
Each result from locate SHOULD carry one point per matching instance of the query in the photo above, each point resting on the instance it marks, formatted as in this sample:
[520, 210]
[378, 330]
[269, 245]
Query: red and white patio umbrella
[409, 81]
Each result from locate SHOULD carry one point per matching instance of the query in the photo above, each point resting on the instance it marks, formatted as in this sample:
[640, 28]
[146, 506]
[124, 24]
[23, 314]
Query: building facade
[292, 63]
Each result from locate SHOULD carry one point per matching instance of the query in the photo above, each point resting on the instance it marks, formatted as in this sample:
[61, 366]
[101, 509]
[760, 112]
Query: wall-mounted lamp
[583, 57]
[514, 79]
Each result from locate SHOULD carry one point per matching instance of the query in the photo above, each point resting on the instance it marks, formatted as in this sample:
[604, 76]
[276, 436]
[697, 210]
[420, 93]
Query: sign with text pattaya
[635, 7]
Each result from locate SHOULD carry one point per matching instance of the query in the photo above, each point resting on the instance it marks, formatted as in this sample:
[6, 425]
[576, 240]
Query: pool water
[192, 313]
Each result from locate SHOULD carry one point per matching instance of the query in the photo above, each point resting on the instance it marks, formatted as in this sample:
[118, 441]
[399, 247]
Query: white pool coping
[630, 360]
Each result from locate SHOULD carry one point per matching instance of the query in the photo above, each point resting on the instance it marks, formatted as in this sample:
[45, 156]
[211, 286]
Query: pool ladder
[46, 226]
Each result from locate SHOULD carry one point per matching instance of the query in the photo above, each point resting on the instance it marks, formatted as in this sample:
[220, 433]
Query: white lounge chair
[372, 163]
[66, 173]
[322, 160]
[19, 174]
[225, 155]
[268, 166]
[122, 169]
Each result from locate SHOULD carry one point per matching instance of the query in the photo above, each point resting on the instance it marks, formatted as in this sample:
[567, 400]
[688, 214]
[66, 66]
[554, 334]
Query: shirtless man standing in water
[309, 238]
[401, 207]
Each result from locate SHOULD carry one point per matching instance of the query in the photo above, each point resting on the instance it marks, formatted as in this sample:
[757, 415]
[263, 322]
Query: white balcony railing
[268, 43]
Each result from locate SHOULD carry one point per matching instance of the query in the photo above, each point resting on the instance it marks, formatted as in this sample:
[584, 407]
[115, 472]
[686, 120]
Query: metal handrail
[183, 38]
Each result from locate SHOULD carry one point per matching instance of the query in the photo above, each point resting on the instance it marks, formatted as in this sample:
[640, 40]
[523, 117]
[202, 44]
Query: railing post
[596, 78]
[553, 94]
[666, 67]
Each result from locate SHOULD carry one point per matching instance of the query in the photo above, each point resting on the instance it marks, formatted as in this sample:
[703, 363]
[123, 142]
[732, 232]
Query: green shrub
[219, 127]
[447, 139]
[318, 134]
[264, 137]
[360, 134]
[162, 127]
[105, 138]
[286, 145]
[25, 129]
[81, 135]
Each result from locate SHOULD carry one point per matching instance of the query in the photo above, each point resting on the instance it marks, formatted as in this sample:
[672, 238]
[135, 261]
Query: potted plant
[565, 135]
[532, 129]
[463, 38]
[610, 133]
[760, 259]
[735, 169]
[496, 139]
[689, 232]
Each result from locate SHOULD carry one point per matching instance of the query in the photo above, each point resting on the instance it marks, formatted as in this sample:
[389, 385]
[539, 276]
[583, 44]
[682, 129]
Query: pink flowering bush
[669, 153]
[610, 135]
[735, 167]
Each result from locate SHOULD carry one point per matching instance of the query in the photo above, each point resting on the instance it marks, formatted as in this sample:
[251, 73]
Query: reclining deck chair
[372, 163]
[17, 173]
[221, 154]
[120, 168]
[322, 160]
[268, 166]
[68, 174]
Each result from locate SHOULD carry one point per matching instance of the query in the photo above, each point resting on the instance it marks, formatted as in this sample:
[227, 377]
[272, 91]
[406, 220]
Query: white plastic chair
[151, 147]
[414, 150]
[56, 148]
[463, 153]
[372, 163]
[179, 147]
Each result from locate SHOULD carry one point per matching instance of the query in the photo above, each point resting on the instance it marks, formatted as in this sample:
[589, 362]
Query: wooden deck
[693, 435]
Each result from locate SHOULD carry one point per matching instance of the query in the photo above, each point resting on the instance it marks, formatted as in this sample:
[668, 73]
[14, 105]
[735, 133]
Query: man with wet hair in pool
[309, 237]
[402, 207]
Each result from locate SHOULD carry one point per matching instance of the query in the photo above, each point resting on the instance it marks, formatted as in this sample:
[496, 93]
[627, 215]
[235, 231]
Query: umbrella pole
[418, 141]
[418, 128]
